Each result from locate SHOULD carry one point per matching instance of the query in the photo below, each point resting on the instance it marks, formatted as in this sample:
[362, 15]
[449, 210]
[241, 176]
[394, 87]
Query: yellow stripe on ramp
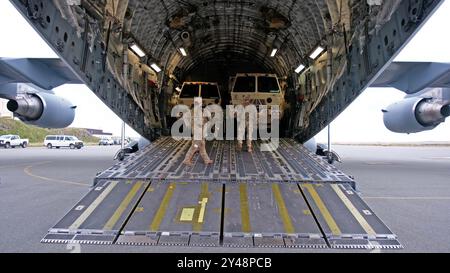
[364, 224]
[284, 213]
[323, 209]
[159, 216]
[123, 205]
[201, 214]
[201, 207]
[245, 216]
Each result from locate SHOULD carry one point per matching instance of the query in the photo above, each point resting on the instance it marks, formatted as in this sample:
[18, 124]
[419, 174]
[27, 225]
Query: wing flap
[413, 77]
[47, 73]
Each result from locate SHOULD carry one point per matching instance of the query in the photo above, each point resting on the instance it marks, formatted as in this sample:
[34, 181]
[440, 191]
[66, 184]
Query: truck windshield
[210, 91]
[189, 91]
[244, 84]
[268, 85]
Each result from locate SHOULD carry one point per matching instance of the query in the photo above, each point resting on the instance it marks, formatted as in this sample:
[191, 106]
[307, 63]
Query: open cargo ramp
[287, 198]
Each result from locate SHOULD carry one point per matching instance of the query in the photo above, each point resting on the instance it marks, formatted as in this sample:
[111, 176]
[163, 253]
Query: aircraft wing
[46, 73]
[413, 77]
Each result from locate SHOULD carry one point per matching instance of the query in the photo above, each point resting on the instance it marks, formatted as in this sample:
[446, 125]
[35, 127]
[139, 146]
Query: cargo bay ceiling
[96, 38]
[231, 31]
[214, 31]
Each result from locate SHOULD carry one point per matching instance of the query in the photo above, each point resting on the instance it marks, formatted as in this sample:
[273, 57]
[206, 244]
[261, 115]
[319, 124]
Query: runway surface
[408, 188]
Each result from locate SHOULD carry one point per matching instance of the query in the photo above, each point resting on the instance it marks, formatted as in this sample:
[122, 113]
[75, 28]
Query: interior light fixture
[274, 52]
[300, 68]
[183, 51]
[316, 53]
[137, 50]
[155, 67]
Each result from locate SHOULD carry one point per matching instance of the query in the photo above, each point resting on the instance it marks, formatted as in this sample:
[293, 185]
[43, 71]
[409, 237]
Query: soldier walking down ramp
[198, 140]
[247, 124]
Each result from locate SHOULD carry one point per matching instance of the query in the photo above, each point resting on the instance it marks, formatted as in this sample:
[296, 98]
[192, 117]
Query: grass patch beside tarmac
[36, 135]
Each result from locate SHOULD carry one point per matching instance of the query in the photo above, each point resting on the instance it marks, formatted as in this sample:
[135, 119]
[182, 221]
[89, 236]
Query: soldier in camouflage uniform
[247, 125]
[198, 140]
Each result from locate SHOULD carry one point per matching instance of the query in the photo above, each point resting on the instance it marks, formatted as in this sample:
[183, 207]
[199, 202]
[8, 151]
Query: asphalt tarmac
[408, 188]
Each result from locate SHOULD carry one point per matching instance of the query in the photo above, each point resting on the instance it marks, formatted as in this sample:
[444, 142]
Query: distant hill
[37, 134]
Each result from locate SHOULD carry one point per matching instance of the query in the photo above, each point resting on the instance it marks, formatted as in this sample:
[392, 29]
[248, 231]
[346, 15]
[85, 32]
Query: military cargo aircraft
[133, 54]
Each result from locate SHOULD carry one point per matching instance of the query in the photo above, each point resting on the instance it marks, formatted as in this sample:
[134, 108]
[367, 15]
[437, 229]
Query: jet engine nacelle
[413, 115]
[43, 110]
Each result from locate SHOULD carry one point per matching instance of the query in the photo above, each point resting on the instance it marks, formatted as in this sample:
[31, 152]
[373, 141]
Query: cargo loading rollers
[286, 198]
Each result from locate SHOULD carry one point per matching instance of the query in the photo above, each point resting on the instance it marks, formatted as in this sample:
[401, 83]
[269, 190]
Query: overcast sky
[361, 122]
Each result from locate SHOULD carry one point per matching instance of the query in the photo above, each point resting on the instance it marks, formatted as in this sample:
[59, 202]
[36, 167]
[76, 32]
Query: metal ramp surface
[139, 203]
[162, 159]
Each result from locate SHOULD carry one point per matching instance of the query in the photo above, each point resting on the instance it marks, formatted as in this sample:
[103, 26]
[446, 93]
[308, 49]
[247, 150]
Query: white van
[59, 141]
